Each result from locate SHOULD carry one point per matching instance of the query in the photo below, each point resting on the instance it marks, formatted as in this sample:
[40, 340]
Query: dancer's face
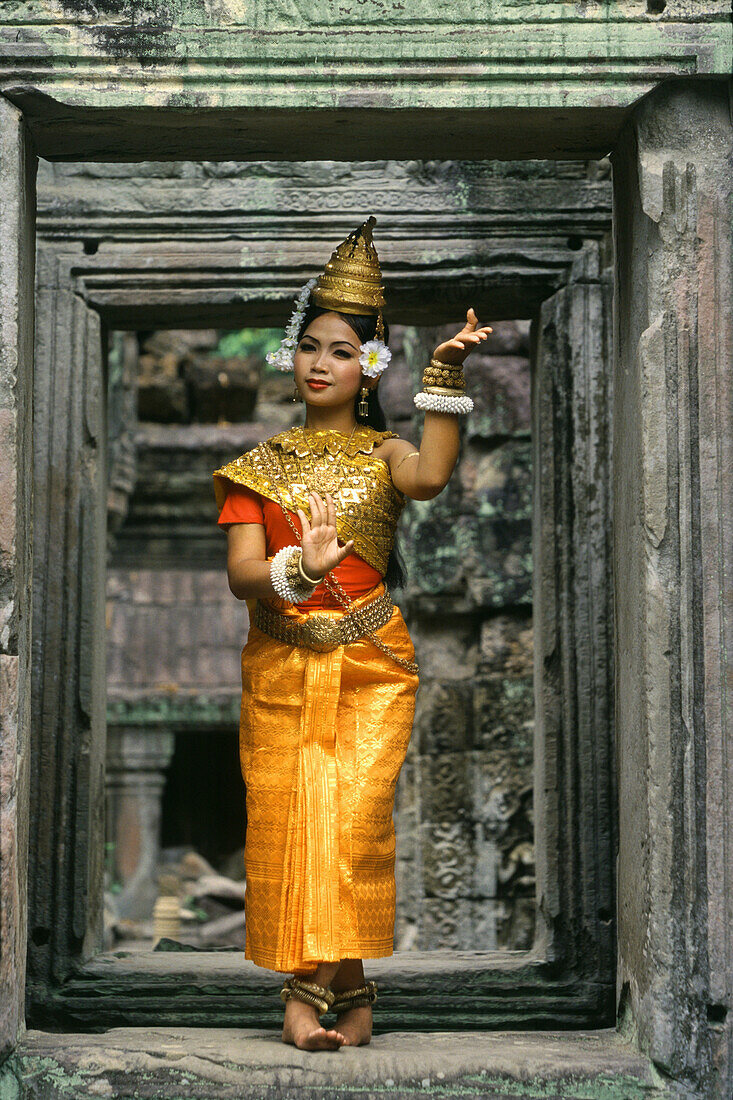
[328, 356]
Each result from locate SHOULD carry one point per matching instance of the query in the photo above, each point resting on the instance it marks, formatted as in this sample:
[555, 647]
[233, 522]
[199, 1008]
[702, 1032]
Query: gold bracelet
[306, 579]
[449, 383]
[293, 576]
[444, 389]
[445, 366]
[410, 454]
[444, 376]
[432, 372]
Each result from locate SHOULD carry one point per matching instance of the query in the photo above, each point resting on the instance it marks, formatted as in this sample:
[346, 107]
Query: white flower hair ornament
[283, 357]
[374, 357]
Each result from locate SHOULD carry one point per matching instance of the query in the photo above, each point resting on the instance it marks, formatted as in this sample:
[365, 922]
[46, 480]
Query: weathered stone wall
[163, 245]
[17, 213]
[118, 80]
[418, 80]
[673, 425]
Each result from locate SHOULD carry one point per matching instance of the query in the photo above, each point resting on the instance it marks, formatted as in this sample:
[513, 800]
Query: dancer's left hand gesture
[471, 335]
[321, 551]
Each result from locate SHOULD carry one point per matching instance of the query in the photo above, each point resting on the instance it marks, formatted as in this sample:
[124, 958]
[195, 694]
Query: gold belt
[321, 632]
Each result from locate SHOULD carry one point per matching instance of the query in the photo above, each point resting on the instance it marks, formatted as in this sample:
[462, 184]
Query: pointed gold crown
[352, 280]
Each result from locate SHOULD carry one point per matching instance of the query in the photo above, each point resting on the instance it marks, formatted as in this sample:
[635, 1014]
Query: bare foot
[302, 1029]
[356, 1025]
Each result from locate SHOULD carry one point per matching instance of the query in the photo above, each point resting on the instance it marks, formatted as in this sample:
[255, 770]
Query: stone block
[507, 645]
[275, 387]
[13, 832]
[443, 716]
[162, 394]
[503, 716]
[483, 883]
[514, 920]
[447, 647]
[407, 798]
[444, 787]
[447, 923]
[171, 631]
[434, 564]
[410, 890]
[178, 343]
[496, 793]
[496, 525]
[485, 917]
[401, 1063]
[509, 338]
[8, 531]
[396, 386]
[417, 107]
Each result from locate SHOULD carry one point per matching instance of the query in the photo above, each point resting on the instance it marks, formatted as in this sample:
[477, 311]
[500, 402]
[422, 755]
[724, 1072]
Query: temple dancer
[328, 670]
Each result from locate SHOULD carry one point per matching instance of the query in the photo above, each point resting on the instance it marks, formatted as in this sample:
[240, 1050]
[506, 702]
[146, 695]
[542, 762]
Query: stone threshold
[229, 1064]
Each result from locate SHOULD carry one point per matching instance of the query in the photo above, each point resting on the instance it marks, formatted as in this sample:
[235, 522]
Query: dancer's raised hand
[321, 551]
[471, 335]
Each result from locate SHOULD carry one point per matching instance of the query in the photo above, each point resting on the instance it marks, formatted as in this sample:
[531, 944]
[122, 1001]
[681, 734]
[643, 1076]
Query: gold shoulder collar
[289, 465]
[304, 441]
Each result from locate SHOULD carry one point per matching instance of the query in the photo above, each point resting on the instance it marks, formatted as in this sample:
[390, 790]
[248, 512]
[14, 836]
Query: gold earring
[363, 403]
[296, 395]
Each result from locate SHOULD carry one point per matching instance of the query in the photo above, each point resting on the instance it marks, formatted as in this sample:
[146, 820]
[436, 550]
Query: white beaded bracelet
[279, 578]
[439, 402]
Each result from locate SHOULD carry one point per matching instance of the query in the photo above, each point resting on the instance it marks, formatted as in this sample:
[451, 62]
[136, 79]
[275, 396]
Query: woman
[328, 672]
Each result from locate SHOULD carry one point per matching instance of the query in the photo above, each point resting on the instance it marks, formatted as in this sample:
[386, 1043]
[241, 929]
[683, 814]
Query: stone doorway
[513, 260]
[670, 135]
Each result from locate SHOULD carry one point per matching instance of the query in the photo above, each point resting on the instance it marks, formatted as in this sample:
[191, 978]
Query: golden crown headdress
[352, 280]
[350, 283]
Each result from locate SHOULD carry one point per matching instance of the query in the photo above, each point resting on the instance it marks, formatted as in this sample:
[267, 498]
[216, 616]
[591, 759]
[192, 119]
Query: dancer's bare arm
[425, 475]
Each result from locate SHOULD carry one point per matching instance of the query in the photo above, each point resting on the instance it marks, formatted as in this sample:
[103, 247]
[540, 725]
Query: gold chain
[334, 586]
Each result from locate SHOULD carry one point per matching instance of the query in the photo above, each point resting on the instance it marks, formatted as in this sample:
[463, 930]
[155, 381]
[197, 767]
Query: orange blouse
[243, 505]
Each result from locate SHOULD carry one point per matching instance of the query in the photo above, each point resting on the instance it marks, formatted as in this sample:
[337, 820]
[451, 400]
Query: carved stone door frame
[568, 979]
[656, 91]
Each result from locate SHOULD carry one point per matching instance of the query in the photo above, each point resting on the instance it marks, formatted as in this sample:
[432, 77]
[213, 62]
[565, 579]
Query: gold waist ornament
[322, 632]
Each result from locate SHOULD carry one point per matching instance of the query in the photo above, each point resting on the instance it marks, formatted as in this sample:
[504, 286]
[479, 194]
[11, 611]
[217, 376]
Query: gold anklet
[309, 993]
[356, 998]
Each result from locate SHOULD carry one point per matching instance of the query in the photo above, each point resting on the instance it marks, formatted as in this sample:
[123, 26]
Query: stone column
[575, 796]
[137, 760]
[68, 696]
[673, 488]
[17, 260]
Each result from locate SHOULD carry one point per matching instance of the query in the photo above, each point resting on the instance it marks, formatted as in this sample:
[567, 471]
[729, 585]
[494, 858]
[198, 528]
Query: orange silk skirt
[323, 737]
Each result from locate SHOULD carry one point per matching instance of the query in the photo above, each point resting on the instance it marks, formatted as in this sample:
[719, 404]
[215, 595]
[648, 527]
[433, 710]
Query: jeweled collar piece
[303, 441]
[287, 467]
